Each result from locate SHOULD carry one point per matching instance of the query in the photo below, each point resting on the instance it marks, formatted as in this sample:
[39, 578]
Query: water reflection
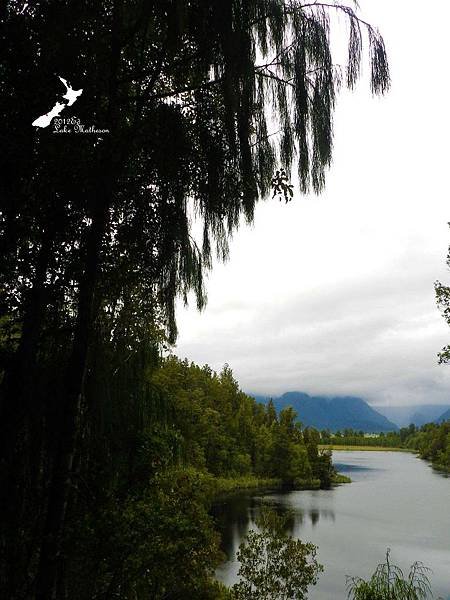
[441, 472]
[396, 500]
[315, 514]
[355, 468]
[236, 515]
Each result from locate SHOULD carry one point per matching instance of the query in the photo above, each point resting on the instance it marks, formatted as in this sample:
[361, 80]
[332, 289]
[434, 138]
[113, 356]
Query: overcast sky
[333, 294]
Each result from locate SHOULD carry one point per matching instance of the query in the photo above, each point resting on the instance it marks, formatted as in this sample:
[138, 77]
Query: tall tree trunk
[106, 177]
[73, 387]
[17, 385]
[19, 431]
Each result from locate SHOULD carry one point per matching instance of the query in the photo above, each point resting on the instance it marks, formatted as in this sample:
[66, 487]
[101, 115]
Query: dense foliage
[208, 107]
[150, 468]
[432, 441]
[274, 566]
[224, 432]
[156, 541]
[145, 529]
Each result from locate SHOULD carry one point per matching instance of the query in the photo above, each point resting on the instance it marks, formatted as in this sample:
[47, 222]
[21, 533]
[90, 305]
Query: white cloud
[334, 294]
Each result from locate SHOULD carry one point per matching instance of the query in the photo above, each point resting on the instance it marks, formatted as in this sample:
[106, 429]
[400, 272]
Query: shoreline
[364, 448]
[443, 469]
[224, 487]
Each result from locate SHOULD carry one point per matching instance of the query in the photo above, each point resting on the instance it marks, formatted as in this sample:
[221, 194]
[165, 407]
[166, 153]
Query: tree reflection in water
[235, 515]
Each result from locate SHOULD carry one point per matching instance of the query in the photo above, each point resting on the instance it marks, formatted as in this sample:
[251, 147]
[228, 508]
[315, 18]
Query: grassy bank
[339, 478]
[225, 485]
[364, 448]
[306, 484]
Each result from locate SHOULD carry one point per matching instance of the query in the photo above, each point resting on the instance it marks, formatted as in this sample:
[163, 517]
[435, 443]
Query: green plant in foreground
[389, 583]
[274, 566]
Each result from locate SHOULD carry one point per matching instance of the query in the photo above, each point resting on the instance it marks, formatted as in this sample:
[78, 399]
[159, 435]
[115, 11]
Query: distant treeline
[431, 441]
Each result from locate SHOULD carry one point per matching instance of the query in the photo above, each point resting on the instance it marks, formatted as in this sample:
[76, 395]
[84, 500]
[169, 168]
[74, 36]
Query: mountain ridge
[444, 417]
[333, 413]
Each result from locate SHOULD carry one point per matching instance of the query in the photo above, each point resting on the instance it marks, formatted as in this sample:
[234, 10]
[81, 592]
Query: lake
[395, 501]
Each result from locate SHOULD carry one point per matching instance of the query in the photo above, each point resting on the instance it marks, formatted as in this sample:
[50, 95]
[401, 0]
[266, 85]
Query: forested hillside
[432, 441]
[226, 433]
[195, 434]
[151, 466]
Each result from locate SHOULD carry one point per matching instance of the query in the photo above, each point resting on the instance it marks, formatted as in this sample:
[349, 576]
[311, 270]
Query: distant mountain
[333, 413]
[418, 414]
[444, 417]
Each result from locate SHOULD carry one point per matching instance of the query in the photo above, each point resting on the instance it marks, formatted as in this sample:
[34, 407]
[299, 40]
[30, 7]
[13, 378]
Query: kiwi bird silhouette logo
[71, 96]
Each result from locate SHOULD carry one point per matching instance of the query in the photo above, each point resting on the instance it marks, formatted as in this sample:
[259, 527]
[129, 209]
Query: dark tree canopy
[203, 101]
[208, 107]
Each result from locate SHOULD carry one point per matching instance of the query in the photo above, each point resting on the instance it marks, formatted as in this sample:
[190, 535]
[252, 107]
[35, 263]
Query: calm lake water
[395, 501]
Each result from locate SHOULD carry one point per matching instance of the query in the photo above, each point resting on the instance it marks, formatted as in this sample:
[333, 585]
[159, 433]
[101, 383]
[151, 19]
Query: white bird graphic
[45, 120]
[70, 95]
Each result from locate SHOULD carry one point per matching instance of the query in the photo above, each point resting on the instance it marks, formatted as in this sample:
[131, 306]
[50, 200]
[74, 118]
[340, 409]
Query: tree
[159, 545]
[274, 566]
[389, 583]
[271, 413]
[325, 436]
[95, 235]
[443, 301]
[289, 456]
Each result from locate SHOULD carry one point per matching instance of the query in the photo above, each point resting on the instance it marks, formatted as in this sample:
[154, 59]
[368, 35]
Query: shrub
[389, 583]
[274, 566]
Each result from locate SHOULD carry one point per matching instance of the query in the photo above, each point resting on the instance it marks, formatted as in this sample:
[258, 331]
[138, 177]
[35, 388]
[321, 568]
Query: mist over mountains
[335, 414]
[444, 417]
[351, 412]
[418, 414]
